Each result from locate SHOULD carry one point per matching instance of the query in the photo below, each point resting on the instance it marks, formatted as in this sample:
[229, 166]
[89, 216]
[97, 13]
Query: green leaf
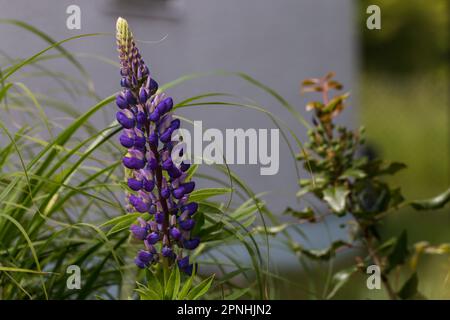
[335, 102]
[336, 196]
[201, 289]
[124, 218]
[392, 168]
[147, 292]
[273, 231]
[5, 89]
[434, 203]
[213, 232]
[246, 211]
[191, 171]
[177, 283]
[199, 219]
[186, 287]
[155, 282]
[274, 94]
[237, 294]
[310, 82]
[409, 288]
[399, 252]
[13, 269]
[306, 214]
[340, 279]
[353, 173]
[387, 245]
[28, 60]
[247, 223]
[230, 275]
[304, 182]
[443, 248]
[203, 194]
[335, 85]
[209, 207]
[322, 254]
[396, 197]
[173, 284]
[30, 245]
[314, 105]
[48, 39]
[125, 225]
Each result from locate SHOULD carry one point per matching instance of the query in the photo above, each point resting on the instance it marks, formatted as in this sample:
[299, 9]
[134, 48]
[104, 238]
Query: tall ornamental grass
[116, 204]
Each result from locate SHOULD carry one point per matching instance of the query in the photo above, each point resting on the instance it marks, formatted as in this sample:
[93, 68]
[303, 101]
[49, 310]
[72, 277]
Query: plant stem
[159, 177]
[372, 252]
[161, 199]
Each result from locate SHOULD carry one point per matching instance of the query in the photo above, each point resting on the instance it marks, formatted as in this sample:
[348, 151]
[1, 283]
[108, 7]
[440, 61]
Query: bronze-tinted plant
[351, 183]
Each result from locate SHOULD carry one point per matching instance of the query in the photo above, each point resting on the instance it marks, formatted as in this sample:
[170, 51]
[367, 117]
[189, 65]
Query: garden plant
[118, 204]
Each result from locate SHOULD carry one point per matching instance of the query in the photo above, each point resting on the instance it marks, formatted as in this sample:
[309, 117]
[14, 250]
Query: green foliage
[399, 252]
[59, 202]
[406, 119]
[409, 289]
[166, 285]
[435, 203]
[340, 279]
[352, 183]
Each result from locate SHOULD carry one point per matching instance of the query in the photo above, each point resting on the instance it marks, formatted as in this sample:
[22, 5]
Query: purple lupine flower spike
[157, 185]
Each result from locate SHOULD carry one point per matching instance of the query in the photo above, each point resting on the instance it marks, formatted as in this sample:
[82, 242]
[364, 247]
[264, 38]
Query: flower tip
[123, 31]
[121, 23]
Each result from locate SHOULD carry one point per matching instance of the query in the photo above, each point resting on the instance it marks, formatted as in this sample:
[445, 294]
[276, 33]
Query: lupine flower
[159, 187]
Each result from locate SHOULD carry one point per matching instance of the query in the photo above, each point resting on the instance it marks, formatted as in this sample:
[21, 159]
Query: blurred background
[398, 77]
[404, 103]
[277, 43]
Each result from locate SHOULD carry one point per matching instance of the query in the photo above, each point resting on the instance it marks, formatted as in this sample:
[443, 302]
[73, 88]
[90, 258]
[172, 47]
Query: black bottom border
[244, 309]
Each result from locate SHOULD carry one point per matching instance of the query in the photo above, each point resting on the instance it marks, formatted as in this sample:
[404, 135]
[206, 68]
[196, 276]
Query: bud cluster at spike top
[159, 185]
